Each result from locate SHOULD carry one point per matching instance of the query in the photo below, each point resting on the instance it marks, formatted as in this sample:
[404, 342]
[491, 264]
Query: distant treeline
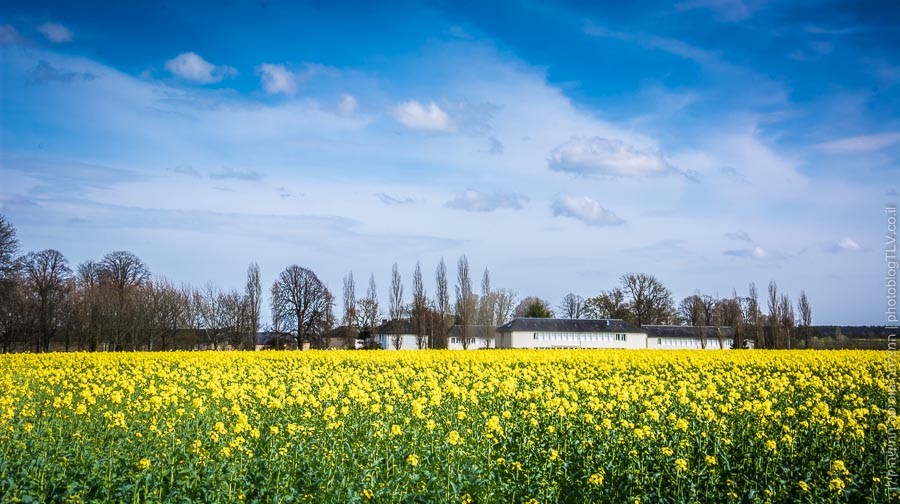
[114, 303]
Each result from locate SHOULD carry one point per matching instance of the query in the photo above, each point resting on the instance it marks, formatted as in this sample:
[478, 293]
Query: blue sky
[710, 143]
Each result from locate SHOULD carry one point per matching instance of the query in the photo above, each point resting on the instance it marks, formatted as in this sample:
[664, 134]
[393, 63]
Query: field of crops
[443, 426]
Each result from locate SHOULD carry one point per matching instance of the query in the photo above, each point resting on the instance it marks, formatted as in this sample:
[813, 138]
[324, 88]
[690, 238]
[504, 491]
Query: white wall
[656, 343]
[454, 343]
[531, 339]
[407, 341]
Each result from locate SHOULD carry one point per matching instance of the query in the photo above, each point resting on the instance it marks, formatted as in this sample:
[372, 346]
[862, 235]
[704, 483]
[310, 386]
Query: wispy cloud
[281, 79]
[607, 158]
[192, 67]
[477, 201]
[387, 199]
[724, 10]
[672, 46]
[347, 104]
[231, 173]
[55, 32]
[284, 193]
[430, 117]
[186, 170]
[495, 147]
[44, 73]
[739, 235]
[863, 143]
[751, 253]
[10, 36]
[585, 209]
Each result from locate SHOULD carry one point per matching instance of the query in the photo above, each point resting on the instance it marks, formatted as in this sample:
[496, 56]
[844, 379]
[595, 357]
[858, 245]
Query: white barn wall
[657, 343]
[532, 339]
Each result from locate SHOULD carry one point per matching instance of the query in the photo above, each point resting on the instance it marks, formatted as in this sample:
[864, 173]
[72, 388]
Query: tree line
[114, 303]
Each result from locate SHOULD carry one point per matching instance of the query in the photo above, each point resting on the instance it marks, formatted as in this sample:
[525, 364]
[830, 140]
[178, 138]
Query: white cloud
[845, 244]
[477, 201]
[55, 32]
[585, 209]
[604, 157]
[277, 79]
[756, 252]
[347, 104]
[425, 117]
[864, 143]
[190, 66]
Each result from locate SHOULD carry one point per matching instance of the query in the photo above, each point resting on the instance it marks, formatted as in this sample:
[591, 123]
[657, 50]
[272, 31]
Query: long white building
[608, 333]
[570, 333]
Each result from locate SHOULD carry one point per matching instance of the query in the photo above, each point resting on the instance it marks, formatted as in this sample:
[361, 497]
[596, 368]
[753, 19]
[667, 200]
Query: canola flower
[440, 426]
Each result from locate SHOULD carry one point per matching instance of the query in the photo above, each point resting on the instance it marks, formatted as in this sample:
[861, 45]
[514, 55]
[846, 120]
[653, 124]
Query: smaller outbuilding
[676, 337]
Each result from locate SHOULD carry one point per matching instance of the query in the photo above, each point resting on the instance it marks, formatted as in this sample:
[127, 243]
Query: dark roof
[405, 326]
[478, 331]
[401, 326]
[270, 337]
[677, 331]
[568, 325]
[341, 332]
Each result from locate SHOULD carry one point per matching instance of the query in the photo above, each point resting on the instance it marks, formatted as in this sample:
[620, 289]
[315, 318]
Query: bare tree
[235, 320]
[690, 309]
[279, 313]
[419, 309]
[123, 272]
[396, 308]
[805, 316]
[213, 315]
[326, 321]
[754, 314]
[441, 304]
[572, 306]
[486, 304]
[729, 313]
[46, 274]
[650, 302]
[124, 269]
[465, 301]
[787, 320]
[306, 297]
[165, 313]
[349, 318]
[9, 247]
[369, 312]
[504, 304]
[12, 295]
[253, 295]
[774, 316]
[707, 308]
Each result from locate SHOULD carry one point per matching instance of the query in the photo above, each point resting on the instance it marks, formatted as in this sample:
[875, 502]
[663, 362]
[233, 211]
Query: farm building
[674, 337]
[404, 332]
[609, 333]
[570, 333]
[480, 337]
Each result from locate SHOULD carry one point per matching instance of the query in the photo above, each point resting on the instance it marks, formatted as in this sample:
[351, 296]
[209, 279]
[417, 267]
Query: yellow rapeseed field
[443, 426]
